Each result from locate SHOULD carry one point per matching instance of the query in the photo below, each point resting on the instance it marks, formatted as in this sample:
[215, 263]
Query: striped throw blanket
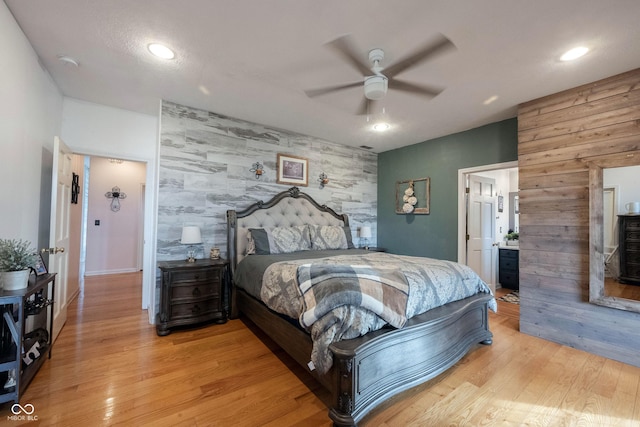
[381, 290]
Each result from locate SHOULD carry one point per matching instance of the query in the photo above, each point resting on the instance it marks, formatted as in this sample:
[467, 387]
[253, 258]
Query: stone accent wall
[205, 160]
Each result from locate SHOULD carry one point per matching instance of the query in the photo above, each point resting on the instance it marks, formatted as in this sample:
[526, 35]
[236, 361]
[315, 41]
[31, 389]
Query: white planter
[14, 280]
[513, 243]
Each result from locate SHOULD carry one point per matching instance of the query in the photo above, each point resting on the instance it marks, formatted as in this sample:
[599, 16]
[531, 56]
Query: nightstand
[192, 293]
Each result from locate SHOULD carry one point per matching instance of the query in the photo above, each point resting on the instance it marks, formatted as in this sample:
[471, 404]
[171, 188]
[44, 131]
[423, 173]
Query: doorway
[506, 177]
[113, 216]
[105, 240]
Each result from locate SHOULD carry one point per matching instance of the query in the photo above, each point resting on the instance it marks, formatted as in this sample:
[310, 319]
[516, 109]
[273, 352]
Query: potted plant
[512, 238]
[16, 259]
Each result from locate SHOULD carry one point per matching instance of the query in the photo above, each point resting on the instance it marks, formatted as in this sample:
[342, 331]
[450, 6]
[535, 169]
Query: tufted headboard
[286, 209]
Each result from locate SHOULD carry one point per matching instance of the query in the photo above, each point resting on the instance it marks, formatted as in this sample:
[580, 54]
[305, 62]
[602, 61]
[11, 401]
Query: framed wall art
[75, 188]
[40, 267]
[412, 196]
[292, 170]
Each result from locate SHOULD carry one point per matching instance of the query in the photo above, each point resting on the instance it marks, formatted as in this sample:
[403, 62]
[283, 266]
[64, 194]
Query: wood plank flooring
[109, 367]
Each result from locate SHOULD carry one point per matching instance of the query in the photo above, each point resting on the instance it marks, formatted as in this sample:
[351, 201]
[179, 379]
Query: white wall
[112, 246]
[626, 179]
[98, 130]
[30, 116]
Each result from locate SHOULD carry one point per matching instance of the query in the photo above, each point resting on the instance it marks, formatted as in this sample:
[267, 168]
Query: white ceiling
[253, 59]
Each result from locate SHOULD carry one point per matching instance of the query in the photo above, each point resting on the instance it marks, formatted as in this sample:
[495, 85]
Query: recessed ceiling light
[490, 99]
[574, 53]
[161, 51]
[381, 126]
[67, 60]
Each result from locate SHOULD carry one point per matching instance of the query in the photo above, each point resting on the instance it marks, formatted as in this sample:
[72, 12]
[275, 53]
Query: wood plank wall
[558, 136]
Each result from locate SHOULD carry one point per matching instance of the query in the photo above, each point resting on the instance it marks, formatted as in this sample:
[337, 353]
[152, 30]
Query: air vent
[366, 147]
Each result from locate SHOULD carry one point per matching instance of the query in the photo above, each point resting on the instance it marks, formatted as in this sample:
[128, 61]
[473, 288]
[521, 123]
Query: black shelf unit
[508, 268]
[27, 318]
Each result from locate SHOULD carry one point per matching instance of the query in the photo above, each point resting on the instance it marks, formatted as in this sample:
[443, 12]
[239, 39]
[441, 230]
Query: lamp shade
[191, 235]
[365, 232]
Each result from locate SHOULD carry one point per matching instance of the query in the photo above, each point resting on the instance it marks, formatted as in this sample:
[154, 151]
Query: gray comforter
[432, 283]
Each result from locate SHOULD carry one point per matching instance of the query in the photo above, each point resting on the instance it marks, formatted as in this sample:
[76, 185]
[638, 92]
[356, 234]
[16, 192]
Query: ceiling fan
[378, 79]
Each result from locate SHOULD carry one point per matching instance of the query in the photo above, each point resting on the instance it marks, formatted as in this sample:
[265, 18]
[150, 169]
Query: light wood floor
[109, 368]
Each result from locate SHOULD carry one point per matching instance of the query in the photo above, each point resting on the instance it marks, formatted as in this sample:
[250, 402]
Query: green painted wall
[435, 235]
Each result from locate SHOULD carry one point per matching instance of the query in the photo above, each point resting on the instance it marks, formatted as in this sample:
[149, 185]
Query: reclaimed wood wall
[558, 136]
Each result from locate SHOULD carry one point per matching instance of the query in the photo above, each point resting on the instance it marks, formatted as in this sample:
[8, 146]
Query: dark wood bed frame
[370, 369]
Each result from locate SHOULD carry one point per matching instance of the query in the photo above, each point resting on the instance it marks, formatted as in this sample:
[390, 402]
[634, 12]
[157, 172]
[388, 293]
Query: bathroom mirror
[514, 211]
[606, 202]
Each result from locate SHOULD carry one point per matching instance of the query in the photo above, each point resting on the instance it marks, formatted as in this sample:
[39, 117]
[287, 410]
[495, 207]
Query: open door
[59, 234]
[481, 231]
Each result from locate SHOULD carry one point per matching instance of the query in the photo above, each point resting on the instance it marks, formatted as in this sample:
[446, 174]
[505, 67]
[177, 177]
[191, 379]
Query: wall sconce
[115, 195]
[365, 234]
[323, 179]
[257, 169]
[116, 161]
[191, 236]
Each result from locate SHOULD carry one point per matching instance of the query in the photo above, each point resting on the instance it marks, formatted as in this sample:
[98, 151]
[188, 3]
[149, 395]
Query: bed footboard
[373, 368]
[369, 370]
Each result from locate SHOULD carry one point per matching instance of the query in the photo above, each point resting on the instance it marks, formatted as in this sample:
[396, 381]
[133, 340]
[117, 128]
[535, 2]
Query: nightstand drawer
[508, 278]
[202, 290]
[195, 309]
[199, 275]
[508, 264]
[508, 254]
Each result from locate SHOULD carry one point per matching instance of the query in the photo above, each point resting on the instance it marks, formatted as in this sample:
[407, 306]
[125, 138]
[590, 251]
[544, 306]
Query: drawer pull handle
[197, 277]
[196, 292]
[195, 309]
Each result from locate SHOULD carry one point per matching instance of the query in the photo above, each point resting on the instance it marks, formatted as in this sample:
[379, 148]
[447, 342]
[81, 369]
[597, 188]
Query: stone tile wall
[205, 160]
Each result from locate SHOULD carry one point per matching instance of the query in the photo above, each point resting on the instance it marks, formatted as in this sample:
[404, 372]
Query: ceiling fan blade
[345, 48]
[441, 44]
[429, 91]
[322, 91]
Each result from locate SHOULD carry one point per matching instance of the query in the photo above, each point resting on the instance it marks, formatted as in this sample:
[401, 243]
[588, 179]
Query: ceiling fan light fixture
[161, 51]
[375, 87]
[381, 126]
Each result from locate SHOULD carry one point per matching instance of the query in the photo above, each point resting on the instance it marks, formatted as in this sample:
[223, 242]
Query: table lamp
[191, 236]
[365, 234]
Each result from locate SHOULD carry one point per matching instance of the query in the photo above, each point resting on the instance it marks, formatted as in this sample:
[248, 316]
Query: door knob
[52, 250]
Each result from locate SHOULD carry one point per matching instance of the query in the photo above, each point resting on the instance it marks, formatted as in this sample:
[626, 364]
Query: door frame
[462, 202]
[148, 301]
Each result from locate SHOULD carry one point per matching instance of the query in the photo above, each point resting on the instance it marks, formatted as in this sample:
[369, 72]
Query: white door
[59, 234]
[481, 228]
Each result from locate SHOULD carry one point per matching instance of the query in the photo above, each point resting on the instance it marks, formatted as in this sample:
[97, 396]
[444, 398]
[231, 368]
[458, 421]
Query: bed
[364, 364]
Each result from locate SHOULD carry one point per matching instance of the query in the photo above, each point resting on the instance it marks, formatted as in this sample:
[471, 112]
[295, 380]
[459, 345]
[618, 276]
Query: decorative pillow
[280, 240]
[329, 237]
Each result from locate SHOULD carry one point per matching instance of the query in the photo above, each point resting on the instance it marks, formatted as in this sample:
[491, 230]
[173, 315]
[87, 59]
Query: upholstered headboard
[286, 209]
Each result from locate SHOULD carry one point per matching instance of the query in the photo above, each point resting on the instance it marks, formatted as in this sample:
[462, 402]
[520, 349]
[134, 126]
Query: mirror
[514, 211]
[612, 189]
